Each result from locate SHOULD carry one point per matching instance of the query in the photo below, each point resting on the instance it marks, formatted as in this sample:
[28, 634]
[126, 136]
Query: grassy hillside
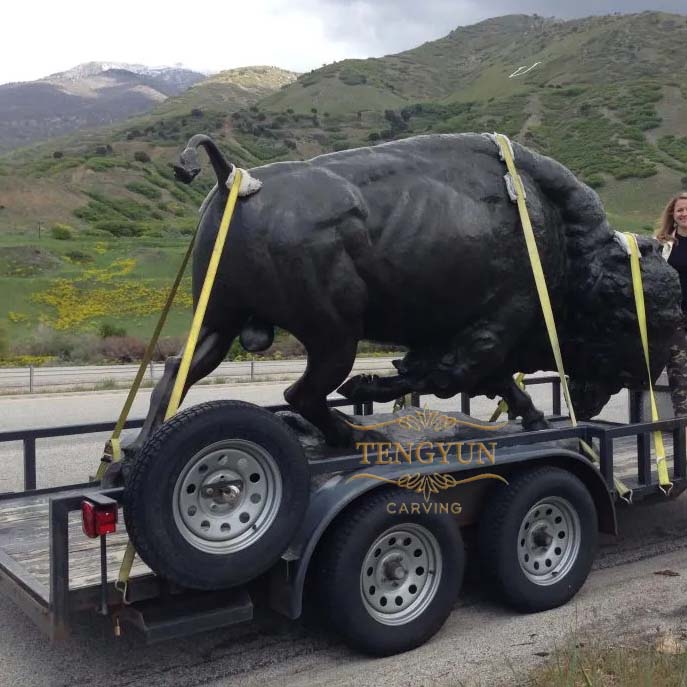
[603, 95]
[93, 226]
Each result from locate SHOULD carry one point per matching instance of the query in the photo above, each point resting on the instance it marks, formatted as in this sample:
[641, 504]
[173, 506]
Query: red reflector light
[98, 519]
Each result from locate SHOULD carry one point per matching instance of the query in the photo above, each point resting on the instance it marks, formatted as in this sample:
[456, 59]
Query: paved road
[482, 642]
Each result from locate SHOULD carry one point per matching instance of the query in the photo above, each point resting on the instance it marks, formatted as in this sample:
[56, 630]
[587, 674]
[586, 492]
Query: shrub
[79, 256]
[119, 227]
[144, 189]
[397, 122]
[352, 78]
[61, 232]
[307, 80]
[121, 206]
[64, 346]
[595, 180]
[103, 164]
[4, 346]
[123, 349]
[106, 330]
[58, 154]
[141, 156]
[167, 346]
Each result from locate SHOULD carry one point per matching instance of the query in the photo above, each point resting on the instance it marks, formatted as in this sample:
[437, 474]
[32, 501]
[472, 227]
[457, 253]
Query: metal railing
[28, 437]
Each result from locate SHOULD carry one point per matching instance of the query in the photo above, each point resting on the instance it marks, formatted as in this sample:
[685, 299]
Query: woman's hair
[666, 225]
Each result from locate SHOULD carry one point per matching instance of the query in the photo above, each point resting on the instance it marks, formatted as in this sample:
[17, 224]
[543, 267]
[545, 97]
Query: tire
[216, 494]
[367, 543]
[538, 537]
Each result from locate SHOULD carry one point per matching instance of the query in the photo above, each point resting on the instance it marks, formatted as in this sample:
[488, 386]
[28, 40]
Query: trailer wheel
[538, 538]
[387, 582]
[216, 494]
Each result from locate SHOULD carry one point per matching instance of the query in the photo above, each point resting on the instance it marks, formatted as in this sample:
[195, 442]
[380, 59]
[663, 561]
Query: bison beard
[416, 243]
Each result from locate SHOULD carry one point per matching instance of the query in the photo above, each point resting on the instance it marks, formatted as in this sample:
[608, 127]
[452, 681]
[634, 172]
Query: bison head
[604, 351]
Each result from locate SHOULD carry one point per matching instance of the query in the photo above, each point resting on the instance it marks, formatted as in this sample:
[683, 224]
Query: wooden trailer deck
[25, 545]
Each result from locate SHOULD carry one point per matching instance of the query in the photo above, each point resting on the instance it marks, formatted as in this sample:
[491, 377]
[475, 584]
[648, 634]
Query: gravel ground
[482, 643]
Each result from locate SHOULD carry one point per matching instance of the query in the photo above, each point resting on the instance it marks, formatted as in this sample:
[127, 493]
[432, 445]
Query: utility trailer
[386, 578]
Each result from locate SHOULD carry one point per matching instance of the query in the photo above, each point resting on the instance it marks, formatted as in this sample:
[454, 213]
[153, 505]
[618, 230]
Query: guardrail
[32, 379]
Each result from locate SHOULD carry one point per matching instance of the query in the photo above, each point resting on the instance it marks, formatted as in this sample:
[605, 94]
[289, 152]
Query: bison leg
[520, 404]
[328, 365]
[210, 351]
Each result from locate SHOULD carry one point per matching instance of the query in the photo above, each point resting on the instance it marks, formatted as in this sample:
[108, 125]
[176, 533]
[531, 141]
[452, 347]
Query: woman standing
[672, 233]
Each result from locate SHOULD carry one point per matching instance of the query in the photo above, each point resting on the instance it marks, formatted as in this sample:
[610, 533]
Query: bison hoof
[360, 388]
[535, 424]
[338, 433]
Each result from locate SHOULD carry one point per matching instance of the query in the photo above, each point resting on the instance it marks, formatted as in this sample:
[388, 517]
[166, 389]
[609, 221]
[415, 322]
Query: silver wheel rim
[227, 496]
[400, 574]
[549, 540]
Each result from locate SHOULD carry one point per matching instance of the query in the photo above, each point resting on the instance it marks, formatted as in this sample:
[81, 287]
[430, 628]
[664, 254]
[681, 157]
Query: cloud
[377, 27]
[293, 34]
[388, 26]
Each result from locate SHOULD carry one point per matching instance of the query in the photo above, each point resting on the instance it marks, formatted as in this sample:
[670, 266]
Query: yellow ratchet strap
[122, 583]
[661, 467]
[502, 406]
[199, 315]
[543, 292]
[113, 451]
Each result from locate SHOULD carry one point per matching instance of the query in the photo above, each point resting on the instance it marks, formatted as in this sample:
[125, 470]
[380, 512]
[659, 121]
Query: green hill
[603, 95]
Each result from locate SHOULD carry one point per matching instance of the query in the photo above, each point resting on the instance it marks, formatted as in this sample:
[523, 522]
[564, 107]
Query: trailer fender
[287, 578]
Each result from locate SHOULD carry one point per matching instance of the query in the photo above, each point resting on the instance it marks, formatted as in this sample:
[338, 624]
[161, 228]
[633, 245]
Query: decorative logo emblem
[463, 453]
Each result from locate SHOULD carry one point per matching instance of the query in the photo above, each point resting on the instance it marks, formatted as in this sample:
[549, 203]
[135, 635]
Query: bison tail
[188, 166]
[256, 335]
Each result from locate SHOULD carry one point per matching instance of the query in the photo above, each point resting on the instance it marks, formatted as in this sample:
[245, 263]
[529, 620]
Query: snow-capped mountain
[177, 76]
[90, 94]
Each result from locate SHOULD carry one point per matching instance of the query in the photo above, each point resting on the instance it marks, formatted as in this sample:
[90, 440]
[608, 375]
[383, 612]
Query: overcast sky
[41, 37]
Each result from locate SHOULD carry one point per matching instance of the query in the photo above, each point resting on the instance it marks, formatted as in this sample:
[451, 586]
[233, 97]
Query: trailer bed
[51, 569]
[25, 532]
[25, 544]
